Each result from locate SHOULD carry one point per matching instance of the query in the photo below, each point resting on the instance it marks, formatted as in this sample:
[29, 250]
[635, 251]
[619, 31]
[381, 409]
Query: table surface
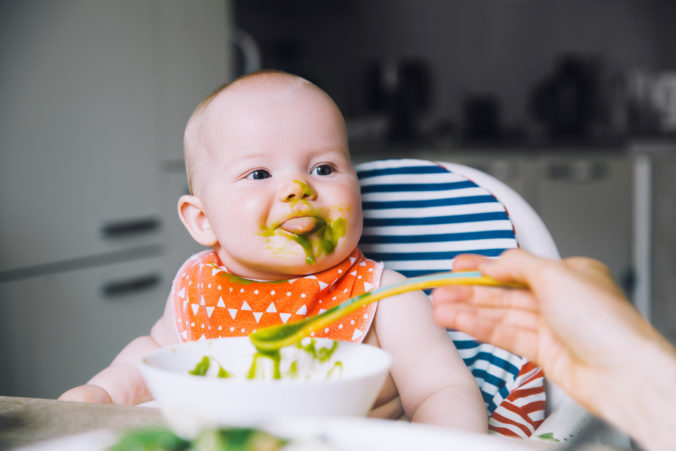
[25, 421]
[28, 420]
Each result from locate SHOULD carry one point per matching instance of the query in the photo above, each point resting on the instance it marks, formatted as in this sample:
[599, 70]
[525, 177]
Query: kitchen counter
[434, 149]
[27, 421]
[24, 421]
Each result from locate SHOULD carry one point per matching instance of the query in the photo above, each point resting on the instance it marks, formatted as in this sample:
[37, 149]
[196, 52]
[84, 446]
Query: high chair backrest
[418, 215]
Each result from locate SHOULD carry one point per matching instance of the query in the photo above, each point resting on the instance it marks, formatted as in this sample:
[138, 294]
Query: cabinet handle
[128, 287]
[119, 229]
[577, 171]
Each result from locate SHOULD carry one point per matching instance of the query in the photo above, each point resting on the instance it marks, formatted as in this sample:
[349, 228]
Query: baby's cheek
[279, 245]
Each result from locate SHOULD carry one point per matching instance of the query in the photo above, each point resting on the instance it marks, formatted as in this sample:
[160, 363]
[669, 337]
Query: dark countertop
[605, 146]
[24, 421]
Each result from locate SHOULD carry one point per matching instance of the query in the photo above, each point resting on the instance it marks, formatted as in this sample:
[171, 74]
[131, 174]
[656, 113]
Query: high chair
[418, 215]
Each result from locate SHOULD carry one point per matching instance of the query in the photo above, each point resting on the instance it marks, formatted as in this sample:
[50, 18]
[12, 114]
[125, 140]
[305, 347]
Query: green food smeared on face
[321, 241]
[305, 191]
[306, 244]
[201, 368]
[330, 235]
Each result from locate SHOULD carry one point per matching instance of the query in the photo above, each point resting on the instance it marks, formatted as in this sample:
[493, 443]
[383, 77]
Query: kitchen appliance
[401, 89]
[566, 101]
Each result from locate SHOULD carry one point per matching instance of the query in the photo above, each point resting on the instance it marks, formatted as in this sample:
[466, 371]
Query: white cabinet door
[516, 170]
[94, 98]
[78, 129]
[586, 202]
[663, 312]
[58, 330]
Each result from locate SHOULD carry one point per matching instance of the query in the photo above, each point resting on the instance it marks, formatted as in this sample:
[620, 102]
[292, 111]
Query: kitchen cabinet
[662, 241]
[587, 203]
[94, 98]
[59, 329]
[584, 196]
[615, 205]
[77, 134]
[95, 95]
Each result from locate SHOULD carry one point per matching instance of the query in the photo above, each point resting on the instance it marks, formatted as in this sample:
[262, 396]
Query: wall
[502, 46]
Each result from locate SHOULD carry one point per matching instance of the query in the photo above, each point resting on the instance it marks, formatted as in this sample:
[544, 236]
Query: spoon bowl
[273, 338]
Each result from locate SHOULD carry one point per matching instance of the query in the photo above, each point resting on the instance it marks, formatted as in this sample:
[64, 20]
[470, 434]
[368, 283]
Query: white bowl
[191, 402]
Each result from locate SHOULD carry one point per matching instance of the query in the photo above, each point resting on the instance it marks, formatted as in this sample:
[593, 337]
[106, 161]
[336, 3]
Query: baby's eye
[258, 174]
[322, 169]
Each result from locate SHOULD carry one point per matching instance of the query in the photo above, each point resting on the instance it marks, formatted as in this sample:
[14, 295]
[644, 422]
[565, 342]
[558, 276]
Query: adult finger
[514, 265]
[523, 319]
[504, 331]
[486, 297]
[467, 262]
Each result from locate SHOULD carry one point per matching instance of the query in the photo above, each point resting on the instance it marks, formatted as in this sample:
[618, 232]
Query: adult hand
[575, 322]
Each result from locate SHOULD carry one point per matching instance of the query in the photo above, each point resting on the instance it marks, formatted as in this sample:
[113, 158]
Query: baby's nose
[297, 190]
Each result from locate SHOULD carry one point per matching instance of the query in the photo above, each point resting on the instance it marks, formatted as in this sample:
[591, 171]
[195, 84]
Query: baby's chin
[302, 265]
[288, 265]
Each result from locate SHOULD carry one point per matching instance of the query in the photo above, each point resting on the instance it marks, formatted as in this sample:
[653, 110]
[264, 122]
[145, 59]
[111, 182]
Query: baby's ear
[192, 216]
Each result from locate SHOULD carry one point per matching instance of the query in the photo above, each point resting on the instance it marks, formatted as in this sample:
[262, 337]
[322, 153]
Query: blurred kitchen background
[570, 102]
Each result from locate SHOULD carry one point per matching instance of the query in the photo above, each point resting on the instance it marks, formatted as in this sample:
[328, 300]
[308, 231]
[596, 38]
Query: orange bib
[209, 302]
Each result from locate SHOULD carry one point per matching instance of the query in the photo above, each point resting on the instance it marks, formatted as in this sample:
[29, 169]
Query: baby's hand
[87, 393]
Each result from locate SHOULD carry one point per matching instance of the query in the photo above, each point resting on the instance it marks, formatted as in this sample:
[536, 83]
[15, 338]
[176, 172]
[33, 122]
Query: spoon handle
[412, 284]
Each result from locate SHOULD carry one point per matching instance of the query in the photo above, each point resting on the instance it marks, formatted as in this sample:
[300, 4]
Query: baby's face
[278, 187]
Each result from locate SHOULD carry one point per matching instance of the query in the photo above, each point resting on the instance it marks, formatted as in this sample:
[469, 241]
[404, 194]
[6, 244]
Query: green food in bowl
[329, 379]
[319, 357]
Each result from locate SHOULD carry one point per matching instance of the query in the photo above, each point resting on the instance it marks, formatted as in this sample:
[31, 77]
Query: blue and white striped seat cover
[418, 216]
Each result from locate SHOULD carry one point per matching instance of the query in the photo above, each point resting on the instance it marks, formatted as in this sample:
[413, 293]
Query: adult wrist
[642, 397]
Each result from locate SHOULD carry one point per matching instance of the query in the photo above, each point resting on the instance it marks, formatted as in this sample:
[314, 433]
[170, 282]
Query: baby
[275, 198]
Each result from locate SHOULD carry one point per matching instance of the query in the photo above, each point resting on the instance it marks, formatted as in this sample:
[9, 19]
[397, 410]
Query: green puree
[306, 191]
[276, 358]
[336, 369]
[255, 371]
[320, 354]
[203, 366]
[320, 241]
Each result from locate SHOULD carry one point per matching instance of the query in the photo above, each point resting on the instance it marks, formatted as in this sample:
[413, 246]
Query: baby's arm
[434, 384]
[121, 382]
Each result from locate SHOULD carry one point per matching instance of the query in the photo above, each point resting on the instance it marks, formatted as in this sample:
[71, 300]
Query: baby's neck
[254, 274]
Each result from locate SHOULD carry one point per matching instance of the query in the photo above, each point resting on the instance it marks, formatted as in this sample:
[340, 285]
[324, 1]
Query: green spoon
[271, 339]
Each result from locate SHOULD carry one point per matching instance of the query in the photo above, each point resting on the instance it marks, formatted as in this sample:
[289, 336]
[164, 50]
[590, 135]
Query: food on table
[222, 439]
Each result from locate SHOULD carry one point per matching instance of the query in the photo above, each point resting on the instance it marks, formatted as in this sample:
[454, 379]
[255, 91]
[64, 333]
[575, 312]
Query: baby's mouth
[300, 225]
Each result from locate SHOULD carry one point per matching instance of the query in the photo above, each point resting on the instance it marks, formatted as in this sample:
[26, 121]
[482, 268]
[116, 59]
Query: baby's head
[273, 190]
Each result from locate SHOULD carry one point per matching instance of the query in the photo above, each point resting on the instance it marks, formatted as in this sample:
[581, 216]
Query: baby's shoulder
[390, 276]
